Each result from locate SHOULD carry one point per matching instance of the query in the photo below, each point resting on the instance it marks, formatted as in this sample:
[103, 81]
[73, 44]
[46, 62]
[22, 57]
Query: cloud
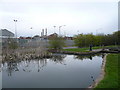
[86, 17]
[57, 1]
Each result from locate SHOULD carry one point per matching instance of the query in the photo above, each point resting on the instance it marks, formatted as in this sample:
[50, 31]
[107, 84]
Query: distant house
[25, 37]
[52, 35]
[68, 38]
[24, 40]
[56, 35]
[28, 37]
[22, 37]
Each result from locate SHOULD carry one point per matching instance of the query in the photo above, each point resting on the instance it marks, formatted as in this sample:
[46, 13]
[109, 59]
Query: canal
[60, 71]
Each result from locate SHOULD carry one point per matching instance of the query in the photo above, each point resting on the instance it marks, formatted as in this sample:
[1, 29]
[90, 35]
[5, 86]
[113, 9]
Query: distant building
[6, 34]
[36, 37]
[25, 37]
[68, 38]
[52, 35]
[6, 37]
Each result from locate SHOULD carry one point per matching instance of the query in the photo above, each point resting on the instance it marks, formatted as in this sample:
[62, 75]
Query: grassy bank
[81, 49]
[111, 72]
[87, 48]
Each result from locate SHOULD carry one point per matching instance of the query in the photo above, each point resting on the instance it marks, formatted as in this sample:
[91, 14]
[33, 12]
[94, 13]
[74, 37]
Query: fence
[42, 43]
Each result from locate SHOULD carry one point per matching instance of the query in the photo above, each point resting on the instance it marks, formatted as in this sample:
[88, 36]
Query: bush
[12, 43]
[56, 43]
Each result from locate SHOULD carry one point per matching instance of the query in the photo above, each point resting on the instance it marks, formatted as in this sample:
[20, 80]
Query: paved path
[69, 47]
[96, 49]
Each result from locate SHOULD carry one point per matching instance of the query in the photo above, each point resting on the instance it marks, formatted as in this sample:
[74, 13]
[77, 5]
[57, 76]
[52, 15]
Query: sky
[77, 16]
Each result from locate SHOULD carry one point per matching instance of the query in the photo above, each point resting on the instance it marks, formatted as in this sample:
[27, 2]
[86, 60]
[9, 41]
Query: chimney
[43, 32]
[46, 31]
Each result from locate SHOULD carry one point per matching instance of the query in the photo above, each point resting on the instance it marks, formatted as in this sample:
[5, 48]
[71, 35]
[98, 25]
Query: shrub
[56, 43]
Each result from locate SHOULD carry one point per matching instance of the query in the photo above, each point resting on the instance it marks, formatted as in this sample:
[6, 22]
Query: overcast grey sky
[79, 16]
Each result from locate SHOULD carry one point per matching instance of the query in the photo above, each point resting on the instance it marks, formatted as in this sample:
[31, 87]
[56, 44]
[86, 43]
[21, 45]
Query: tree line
[85, 40]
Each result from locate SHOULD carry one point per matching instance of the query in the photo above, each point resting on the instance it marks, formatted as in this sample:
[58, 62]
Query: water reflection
[0, 65]
[59, 71]
[58, 58]
[82, 57]
[39, 64]
[11, 67]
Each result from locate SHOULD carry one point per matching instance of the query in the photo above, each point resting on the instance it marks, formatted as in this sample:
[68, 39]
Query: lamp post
[46, 37]
[31, 34]
[15, 28]
[54, 28]
[60, 28]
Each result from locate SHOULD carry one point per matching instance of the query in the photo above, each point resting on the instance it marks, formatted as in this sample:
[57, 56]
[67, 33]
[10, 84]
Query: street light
[31, 34]
[54, 28]
[15, 28]
[60, 28]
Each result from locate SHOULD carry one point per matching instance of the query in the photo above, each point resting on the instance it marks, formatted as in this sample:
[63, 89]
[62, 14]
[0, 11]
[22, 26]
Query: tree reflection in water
[58, 58]
[82, 57]
[11, 67]
[38, 64]
[41, 64]
[29, 65]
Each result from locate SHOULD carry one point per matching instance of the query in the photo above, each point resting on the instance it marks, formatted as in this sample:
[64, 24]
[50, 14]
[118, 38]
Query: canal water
[60, 71]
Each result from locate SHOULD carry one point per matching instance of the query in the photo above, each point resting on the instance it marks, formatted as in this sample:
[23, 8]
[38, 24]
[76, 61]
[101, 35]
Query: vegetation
[56, 43]
[86, 49]
[11, 43]
[77, 49]
[111, 72]
[85, 40]
[81, 49]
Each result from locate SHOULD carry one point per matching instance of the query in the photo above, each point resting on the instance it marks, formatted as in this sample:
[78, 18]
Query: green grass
[87, 48]
[81, 49]
[77, 49]
[111, 73]
[113, 46]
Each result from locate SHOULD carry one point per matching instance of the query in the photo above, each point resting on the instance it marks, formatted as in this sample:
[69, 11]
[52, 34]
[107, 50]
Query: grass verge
[81, 49]
[111, 73]
[87, 48]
